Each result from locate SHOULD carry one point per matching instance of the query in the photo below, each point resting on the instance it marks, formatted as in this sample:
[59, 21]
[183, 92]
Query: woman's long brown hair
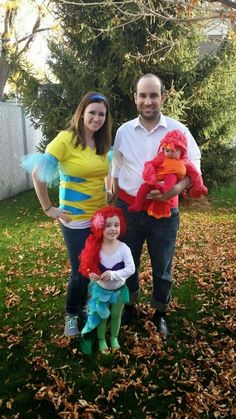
[76, 125]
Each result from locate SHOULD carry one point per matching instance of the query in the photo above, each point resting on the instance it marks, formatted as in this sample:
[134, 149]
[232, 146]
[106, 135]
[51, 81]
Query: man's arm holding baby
[176, 190]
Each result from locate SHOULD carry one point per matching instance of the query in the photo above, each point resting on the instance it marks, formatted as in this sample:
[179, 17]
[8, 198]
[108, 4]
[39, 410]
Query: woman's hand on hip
[58, 214]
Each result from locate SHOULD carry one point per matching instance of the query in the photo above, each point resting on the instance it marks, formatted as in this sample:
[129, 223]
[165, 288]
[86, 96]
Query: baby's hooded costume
[169, 171]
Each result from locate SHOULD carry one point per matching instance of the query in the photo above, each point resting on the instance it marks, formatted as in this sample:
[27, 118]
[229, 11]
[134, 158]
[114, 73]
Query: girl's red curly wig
[90, 255]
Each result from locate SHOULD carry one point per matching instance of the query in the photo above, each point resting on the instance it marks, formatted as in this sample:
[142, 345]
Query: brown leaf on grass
[44, 225]
[121, 371]
[124, 359]
[175, 373]
[13, 340]
[59, 392]
[144, 370]
[62, 341]
[6, 234]
[12, 335]
[59, 399]
[51, 290]
[199, 368]
[103, 370]
[167, 392]
[229, 303]
[11, 299]
[2, 267]
[175, 305]
[9, 403]
[123, 385]
[149, 346]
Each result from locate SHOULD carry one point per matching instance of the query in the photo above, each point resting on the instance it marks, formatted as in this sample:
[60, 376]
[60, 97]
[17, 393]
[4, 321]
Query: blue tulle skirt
[98, 307]
[45, 164]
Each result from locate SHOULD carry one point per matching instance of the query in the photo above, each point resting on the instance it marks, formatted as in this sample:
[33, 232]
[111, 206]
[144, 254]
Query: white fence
[17, 137]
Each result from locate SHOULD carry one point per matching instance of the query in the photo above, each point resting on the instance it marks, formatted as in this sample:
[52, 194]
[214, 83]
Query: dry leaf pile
[192, 375]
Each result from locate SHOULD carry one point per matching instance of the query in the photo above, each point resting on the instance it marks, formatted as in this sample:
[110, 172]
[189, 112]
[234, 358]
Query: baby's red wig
[175, 139]
[90, 255]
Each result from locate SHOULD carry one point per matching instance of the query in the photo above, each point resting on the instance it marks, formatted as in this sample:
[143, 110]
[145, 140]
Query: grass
[44, 375]
[224, 197]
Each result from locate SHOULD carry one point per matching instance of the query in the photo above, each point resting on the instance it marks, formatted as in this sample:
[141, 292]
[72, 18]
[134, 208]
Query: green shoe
[86, 345]
[102, 346]
[115, 344]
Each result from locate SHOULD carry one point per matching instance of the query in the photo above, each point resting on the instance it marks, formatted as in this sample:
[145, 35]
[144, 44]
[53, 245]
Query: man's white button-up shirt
[134, 145]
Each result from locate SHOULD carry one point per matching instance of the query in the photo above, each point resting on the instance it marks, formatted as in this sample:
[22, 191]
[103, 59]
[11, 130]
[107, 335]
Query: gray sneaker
[71, 326]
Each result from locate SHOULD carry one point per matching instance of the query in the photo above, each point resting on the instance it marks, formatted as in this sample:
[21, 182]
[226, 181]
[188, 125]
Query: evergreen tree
[97, 53]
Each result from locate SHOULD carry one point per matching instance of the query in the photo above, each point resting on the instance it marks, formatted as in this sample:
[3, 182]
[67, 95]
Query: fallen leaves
[191, 376]
[147, 347]
[51, 290]
[12, 299]
[59, 392]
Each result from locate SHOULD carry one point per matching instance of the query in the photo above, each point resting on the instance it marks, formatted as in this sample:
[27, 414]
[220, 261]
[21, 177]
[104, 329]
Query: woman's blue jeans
[160, 235]
[77, 289]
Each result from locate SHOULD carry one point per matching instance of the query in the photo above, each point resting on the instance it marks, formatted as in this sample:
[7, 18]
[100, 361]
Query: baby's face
[172, 154]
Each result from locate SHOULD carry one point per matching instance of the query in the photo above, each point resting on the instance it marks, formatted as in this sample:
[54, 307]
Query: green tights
[116, 311]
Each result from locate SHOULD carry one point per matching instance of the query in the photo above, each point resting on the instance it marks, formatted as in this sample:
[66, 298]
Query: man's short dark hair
[150, 75]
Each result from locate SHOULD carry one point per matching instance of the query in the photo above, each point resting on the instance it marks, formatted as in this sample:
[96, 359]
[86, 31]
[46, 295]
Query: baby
[163, 172]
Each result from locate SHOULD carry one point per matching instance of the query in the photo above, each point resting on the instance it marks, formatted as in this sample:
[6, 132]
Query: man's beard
[150, 117]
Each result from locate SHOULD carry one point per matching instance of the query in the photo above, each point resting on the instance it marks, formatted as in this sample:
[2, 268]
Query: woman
[80, 155]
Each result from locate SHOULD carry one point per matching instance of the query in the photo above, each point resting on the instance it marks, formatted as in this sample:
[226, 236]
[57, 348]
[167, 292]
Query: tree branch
[227, 3]
[146, 8]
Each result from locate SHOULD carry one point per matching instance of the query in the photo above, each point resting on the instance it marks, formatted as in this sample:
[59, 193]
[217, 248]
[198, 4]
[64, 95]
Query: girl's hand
[106, 276]
[58, 214]
[94, 277]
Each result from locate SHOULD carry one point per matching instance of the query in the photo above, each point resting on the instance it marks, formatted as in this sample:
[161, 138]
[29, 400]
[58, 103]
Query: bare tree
[194, 9]
[184, 12]
[12, 46]
[209, 15]
[180, 11]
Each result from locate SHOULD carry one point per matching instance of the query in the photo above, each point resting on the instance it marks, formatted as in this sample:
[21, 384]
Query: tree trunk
[4, 73]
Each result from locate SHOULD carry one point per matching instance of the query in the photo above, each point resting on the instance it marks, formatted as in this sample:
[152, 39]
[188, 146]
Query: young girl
[108, 263]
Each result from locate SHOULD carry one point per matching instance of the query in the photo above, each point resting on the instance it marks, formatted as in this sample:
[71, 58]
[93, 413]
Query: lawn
[44, 375]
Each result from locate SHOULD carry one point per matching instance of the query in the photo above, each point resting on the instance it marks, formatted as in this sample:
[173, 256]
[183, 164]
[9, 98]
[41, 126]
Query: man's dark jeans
[160, 236]
[77, 289]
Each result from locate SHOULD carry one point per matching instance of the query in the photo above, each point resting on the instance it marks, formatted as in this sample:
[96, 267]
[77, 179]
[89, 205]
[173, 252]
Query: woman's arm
[115, 187]
[43, 197]
[108, 186]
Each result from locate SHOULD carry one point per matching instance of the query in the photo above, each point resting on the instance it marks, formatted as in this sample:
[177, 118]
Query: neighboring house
[215, 34]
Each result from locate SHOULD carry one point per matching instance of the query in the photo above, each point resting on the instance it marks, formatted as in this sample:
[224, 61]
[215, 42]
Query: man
[136, 142]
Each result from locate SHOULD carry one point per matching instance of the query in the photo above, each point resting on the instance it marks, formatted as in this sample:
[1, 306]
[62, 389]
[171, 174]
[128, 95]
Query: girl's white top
[118, 277]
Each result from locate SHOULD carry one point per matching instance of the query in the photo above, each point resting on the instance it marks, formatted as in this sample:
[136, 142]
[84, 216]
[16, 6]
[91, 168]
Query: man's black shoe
[129, 314]
[160, 323]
